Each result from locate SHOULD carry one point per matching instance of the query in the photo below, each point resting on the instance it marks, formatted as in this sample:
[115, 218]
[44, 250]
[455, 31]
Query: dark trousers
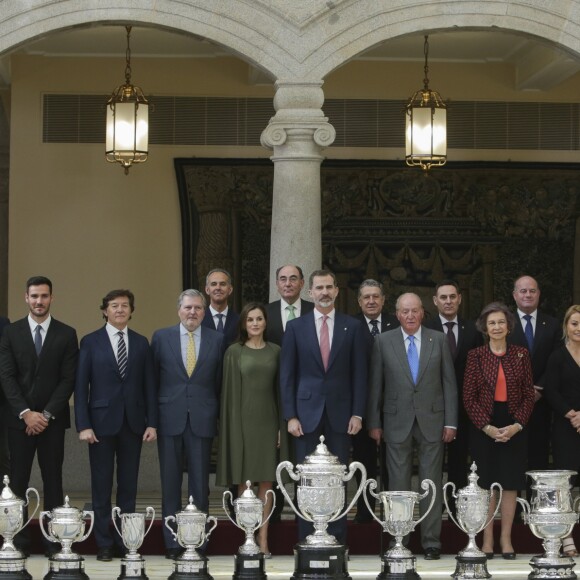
[365, 449]
[49, 449]
[338, 444]
[539, 429]
[4, 453]
[197, 451]
[124, 451]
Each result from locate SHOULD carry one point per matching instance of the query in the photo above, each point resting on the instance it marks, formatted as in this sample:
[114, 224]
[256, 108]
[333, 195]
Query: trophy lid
[190, 511]
[472, 488]
[65, 510]
[8, 498]
[321, 461]
[248, 497]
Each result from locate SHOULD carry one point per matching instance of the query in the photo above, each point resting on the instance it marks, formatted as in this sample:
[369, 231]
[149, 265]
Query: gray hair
[191, 293]
[222, 271]
[370, 283]
[397, 304]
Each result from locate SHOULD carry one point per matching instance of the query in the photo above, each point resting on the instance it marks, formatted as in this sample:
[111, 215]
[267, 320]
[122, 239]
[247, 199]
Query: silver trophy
[399, 509]
[191, 534]
[66, 525]
[551, 517]
[12, 561]
[132, 533]
[472, 503]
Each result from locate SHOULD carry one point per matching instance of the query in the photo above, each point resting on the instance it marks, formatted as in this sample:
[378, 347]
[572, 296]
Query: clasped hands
[35, 422]
[501, 434]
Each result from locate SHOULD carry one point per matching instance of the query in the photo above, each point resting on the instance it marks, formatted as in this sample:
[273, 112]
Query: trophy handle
[31, 489]
[214, 519]
[228, 493]
[40, 520]
[371, 484]
[525, 506]
[497, 506]
[271, 510]
[149, 511]
[167, 520]
[287, 465]
[574, 505]
[450, 485]
[85, 514]
[351, 471]
[116, 511]
[426, 484]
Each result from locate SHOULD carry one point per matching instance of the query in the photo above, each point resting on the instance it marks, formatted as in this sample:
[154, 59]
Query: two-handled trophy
[13, 561]
[249, 512]
[132, 533]
[66, 525]
[472, 505]
[398, 562]
[321, 498]
[191, 534]
[551, 516]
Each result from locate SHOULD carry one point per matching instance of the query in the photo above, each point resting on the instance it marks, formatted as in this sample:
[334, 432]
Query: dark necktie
[220, 326]
[451, 338]
[529, 331]
[375, 327]
[38, 340]
[121, 354]
[413, 358]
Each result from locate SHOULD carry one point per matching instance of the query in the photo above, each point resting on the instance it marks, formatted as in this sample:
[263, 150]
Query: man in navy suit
[38, 357]
[464, 336]
[218, 315]
[115, 411]
[323, 378]
[188, 365]
[4, 456]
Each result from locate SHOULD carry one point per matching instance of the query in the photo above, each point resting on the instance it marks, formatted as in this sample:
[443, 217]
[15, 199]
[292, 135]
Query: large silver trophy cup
[12, 561]
[66, 525]
[472, 503]
[399, 507]
[191, 534]
[551, 517]
[321, 498]
[249, 512]
[132, 533]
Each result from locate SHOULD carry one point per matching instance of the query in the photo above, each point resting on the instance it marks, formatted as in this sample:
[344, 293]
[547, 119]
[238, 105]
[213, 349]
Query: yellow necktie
[190, 355]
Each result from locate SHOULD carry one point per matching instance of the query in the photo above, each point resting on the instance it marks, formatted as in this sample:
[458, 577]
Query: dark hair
[117, 294]
[38, 281]
[300, 273]
[242, 329]
[319, 273]
[481, 323]
[448, 283]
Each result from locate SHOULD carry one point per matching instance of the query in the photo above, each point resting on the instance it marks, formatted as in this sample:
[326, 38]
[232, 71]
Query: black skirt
[504, 463]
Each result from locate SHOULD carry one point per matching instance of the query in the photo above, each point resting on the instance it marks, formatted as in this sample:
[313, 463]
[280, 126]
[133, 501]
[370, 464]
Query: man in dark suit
[462, 336]
[38, 357]
[323, 379]
[541, 335]
[412, 382]
[218, 315]
[188, 365]
[4, 455]
[371, 299]
[115, 411]
[289, 283]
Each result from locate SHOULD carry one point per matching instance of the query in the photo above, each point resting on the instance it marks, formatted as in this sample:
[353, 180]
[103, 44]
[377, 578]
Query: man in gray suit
[412, 380]
[188, 364]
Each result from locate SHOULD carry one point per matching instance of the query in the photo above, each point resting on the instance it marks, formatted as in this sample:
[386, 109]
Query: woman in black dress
[561, 384]
[498, 394]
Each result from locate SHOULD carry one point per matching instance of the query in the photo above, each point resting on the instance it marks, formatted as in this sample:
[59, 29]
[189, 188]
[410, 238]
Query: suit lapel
[27, 339]
[398, 343]
[175, 346]
[425, 354]
[106, 345]
[540, 331]
[312, 337]
[338, 337]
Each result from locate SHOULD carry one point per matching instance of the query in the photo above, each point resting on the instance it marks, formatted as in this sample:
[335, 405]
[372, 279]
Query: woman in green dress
[249, 412]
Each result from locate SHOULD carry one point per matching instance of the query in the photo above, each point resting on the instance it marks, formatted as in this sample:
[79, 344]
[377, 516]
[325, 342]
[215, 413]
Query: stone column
[297, 133]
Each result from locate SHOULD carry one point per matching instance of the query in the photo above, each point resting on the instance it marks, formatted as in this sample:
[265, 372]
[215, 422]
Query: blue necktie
[38, 340]
[529, 331]
[413, 358]
[220, 326]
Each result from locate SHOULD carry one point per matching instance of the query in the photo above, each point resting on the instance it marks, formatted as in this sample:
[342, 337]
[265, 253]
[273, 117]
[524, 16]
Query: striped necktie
[122, 354]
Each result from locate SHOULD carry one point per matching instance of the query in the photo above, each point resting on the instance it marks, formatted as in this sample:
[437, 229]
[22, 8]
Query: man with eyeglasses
[540, 334]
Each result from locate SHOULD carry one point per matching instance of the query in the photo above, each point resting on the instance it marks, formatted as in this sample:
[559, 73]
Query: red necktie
[324, 342]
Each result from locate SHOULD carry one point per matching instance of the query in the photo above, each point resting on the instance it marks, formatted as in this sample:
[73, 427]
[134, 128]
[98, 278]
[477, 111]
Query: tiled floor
[360, 567]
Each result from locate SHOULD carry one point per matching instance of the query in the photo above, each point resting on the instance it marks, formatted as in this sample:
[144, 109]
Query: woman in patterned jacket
[498, 395]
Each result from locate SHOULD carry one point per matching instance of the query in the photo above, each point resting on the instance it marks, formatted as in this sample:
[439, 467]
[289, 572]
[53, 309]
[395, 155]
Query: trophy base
[249, 567]
[549, 568]
[471, 568]
[133, 569]
[398, 568]
[191, 569]
[14, 569]
[320, 562]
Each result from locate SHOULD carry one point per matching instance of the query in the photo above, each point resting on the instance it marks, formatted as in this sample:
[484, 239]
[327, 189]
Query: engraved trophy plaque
[551, 517]
[13, 561]
[191, 534]
[132, 533]
[66, 525]
[320, 497]
[249, 512]
[472, 503]
[399, 562]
